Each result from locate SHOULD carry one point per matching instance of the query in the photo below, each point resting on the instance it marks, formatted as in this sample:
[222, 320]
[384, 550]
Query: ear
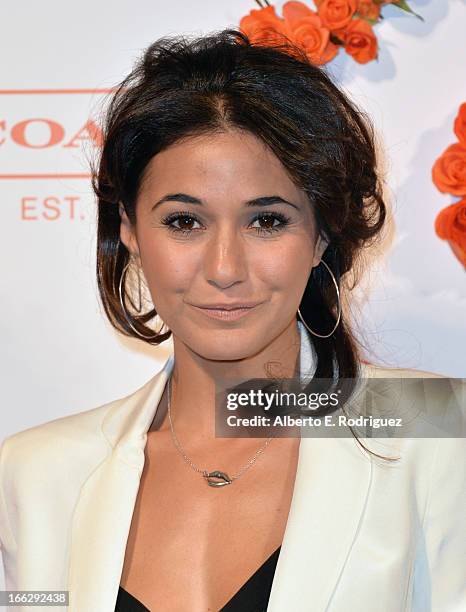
[319, 249]
[127, 233]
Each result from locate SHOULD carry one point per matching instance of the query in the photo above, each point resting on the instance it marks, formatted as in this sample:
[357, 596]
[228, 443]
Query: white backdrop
[59, 355]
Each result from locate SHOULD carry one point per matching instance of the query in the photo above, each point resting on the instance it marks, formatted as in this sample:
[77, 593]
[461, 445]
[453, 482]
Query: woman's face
[219, 222]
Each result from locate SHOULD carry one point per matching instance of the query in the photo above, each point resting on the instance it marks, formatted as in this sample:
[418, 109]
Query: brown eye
[180, 222]
[267, 223]
[185, 223]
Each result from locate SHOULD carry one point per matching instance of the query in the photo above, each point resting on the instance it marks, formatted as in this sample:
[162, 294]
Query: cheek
[167, 267]
[285, 267]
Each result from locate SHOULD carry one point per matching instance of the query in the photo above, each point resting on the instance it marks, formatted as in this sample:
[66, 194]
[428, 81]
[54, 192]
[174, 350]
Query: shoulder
[79, 440]
[430, 404]
[45, 462]
[70, 442]
[432, 413]
[66, 435]
[379, 371]
[77, 430]
[52, 460]
[52, 456]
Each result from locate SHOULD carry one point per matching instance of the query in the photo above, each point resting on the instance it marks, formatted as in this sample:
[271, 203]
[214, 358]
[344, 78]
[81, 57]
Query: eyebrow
[187, 199]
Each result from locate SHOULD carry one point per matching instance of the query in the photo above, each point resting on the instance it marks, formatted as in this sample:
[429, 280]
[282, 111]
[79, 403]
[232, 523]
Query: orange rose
[450, 225]
[449, 171]
[460, 124]
[308, 33]
[294, 12]
[458, 252]
[368, 10]
[336, 14]
[360, 41]
[264, 26]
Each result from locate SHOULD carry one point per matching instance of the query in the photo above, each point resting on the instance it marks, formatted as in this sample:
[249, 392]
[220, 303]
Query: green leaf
[402, 4]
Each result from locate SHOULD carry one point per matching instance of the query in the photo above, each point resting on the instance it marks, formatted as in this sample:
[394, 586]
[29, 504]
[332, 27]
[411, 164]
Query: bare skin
[191, 546]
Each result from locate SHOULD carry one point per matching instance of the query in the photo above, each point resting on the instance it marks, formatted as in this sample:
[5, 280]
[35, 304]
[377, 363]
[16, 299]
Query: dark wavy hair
[184, 87]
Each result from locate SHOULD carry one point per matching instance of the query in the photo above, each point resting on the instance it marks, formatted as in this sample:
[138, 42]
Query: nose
[225, 261]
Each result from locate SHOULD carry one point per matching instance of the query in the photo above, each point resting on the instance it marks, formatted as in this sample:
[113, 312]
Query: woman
[237, 188]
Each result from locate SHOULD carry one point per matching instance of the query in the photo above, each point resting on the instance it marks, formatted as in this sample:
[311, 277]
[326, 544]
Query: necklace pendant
[217, 478]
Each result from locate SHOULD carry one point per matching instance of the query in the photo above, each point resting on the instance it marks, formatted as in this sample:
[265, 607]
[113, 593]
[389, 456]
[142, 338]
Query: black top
[253, 596]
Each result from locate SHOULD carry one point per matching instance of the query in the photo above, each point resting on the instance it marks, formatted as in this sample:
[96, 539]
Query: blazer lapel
[331, 488]
[103, 513]
[332, 483]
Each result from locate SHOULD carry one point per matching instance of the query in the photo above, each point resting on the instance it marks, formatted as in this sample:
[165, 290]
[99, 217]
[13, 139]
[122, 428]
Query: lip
[228, 305]
[227, 314]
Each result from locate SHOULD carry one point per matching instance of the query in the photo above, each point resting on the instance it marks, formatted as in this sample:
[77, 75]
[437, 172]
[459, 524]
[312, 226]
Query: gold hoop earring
[339, 308]
[123, 307]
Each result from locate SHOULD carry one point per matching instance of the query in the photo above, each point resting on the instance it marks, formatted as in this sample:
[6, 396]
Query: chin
[226, 345]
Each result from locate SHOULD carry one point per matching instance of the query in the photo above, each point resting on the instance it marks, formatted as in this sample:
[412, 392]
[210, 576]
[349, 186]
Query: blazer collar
[331, 487]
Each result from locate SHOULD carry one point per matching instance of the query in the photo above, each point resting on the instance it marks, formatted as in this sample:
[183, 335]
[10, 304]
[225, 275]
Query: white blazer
[361, 535]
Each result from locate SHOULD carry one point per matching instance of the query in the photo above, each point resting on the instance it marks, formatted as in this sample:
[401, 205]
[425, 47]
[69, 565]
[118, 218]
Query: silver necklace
[216, 478]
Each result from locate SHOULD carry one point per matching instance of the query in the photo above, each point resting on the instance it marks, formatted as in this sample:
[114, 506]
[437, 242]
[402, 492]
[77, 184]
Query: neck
[194, 381]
